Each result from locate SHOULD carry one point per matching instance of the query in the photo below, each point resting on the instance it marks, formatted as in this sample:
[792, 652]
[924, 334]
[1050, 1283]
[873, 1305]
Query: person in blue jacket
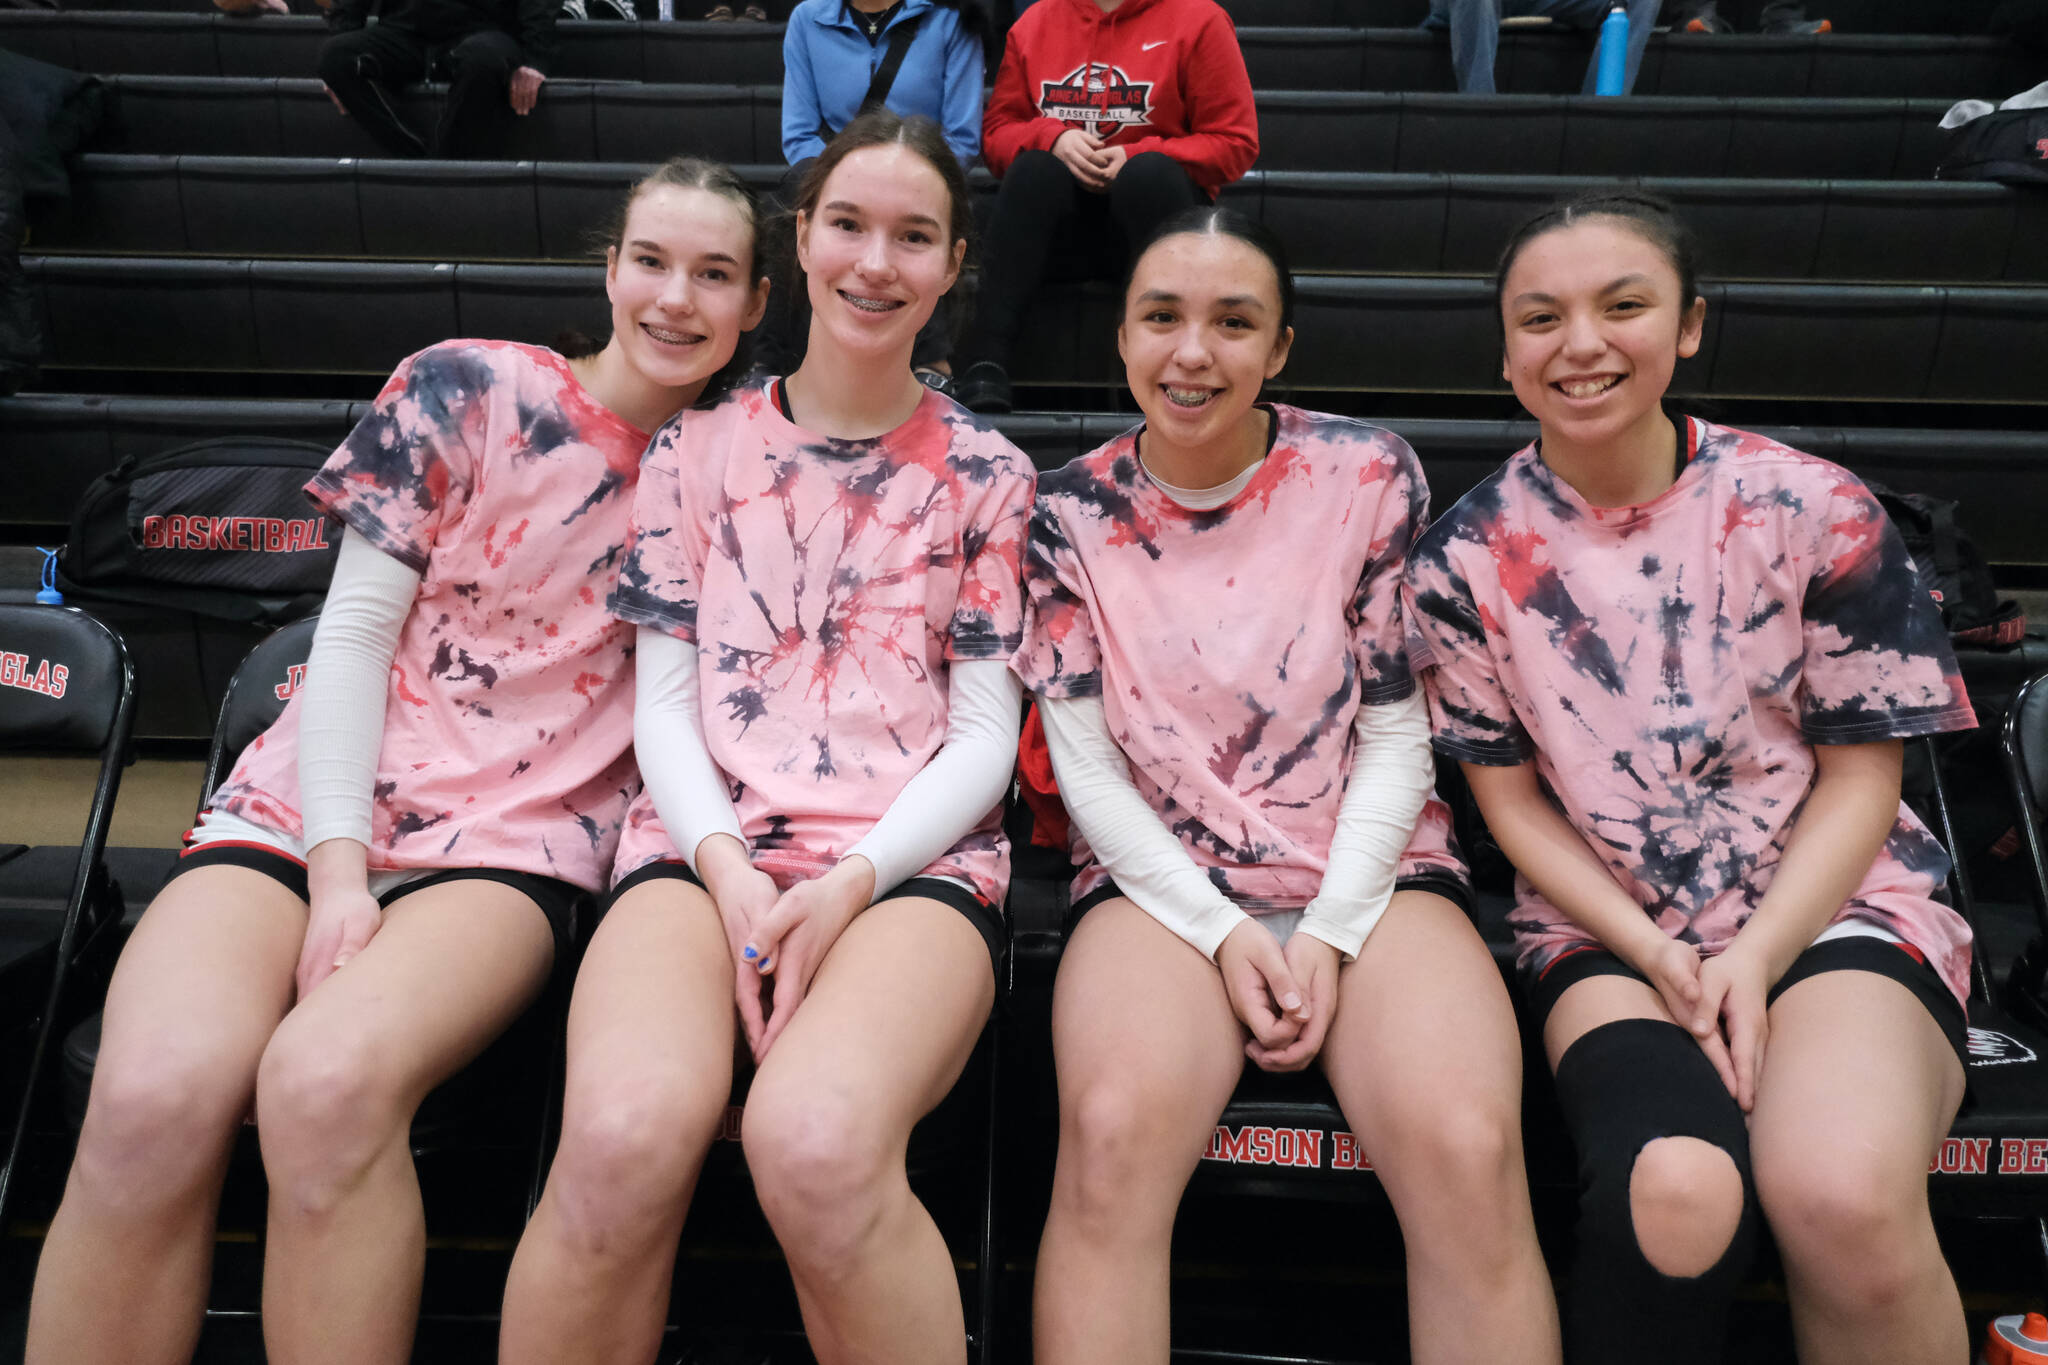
[831, 50]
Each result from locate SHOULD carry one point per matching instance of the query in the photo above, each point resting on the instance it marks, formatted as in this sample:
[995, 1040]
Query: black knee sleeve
[1622, 1086]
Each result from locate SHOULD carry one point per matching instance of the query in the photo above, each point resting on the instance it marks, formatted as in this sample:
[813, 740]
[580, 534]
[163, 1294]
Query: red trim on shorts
[1572, 951]
[191, 848]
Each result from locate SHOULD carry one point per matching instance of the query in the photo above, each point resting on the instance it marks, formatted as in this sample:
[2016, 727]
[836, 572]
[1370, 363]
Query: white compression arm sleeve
[348, 679]
[1148, 864]
[964, 780]
[668, 738]
[1391, 777]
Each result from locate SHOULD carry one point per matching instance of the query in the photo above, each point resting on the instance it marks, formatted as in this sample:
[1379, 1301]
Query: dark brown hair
[1212, 221]
[882, 127]
[1646, 215]
[682, 173]
[879, 127]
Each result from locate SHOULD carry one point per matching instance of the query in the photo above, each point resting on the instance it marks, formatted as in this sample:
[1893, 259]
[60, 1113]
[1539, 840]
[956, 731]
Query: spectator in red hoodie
[1108, 117]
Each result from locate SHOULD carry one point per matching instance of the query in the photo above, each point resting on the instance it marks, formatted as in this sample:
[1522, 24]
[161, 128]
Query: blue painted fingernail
[748, 953]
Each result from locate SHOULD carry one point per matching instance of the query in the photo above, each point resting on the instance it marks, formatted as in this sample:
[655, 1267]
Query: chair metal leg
[1959, 873]
[988, 1266]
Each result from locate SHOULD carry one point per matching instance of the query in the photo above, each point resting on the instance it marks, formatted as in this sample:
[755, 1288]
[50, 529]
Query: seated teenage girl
[384, 881]
[1216, 644]
[1676, 662]
[824, 572]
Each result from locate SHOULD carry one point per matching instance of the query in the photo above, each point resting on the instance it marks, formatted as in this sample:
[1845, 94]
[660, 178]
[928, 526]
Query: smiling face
[1201, 333]
[681, 286]
[1595, 326]
[876, 252]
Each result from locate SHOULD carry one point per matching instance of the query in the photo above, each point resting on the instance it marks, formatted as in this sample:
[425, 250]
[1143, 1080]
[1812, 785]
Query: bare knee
[1850, 1234]
[823, 1172]
[325, 1110]
[1110, 1172]
[1470, 1153]
[154, 1131]
[627, 1161]
[1685, 1201]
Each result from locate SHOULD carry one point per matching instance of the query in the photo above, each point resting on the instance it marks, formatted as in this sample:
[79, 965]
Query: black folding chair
[497, 1083]
[66, 686]
[262, 683]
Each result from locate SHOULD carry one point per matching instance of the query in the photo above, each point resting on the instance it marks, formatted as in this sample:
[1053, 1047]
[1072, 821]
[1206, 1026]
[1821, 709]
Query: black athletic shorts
[986, 919]
[557, 899]
[1862, 953]
[1452, 889]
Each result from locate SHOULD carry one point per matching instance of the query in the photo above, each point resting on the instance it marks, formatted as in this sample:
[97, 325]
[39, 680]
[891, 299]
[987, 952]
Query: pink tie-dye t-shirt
[827, 585]
[1670, 666]
[1233, 646]
[508, 730]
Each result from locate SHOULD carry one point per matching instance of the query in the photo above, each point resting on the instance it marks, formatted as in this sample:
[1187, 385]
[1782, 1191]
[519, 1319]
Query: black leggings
[1039, 201]
[367, 69]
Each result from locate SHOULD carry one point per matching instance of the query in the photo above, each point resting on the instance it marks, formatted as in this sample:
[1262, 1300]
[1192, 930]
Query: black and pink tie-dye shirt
[1669, 668]
[827, 585]
[1233, 646]
[508, 731]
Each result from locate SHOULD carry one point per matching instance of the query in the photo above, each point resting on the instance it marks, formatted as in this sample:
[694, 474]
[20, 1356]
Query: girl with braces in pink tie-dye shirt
[1677, 662]
[1217, 649]
[824, 573]
[389, 874]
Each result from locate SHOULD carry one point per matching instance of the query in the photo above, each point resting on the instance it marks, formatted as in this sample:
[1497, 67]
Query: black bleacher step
[59, 442]
[1335, 58]
[1848, 16]
[585, 121]
[1877, 342]
[1332, 222]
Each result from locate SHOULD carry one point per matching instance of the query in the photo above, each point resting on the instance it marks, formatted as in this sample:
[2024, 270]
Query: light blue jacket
[827, 63]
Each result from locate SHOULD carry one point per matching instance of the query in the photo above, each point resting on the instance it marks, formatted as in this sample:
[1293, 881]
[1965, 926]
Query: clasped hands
[1286, 996]
[778, 937]
[1720, 1000]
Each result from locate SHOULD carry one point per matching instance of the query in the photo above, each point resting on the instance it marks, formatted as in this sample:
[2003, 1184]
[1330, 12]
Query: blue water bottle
[47, 593]
[1613, 71]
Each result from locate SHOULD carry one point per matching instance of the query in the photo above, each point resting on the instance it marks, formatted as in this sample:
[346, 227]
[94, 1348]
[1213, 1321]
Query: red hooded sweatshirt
[1149, 76]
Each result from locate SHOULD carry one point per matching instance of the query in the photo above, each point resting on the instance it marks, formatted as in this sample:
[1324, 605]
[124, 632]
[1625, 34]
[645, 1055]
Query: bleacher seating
[1848, 16]
[1963, 17]
[230, 234]
[1299, 130]
[1396, 59]
[1334, 222]
[1881, 342]
[1998, 476]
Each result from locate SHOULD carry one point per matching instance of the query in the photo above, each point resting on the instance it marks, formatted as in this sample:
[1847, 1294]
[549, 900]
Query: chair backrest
[2026, 741]
[65, 679]
[264, 681]
[2023, 743]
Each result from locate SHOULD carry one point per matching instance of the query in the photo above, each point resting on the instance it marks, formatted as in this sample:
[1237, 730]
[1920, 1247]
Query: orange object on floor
[2017, 1341]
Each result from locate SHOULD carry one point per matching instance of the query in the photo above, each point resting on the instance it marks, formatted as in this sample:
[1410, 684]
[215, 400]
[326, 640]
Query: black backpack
[220, 527]
[1952, 569]
[2010, 145]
